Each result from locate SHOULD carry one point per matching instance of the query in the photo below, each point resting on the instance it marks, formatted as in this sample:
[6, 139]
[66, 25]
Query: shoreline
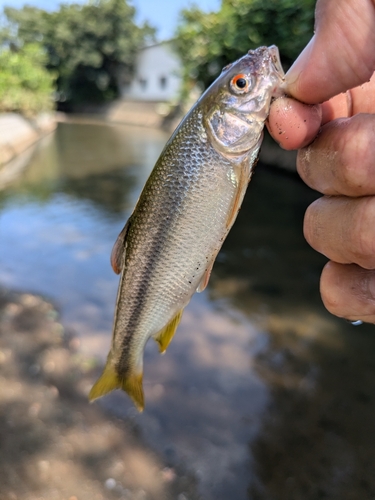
[19, 136]
[17, 133]
[270, 152]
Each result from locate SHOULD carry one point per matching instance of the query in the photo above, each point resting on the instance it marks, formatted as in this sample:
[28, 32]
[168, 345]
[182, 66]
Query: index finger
[294, 125]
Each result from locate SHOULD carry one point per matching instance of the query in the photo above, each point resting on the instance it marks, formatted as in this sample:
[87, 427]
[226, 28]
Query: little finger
[348, 291]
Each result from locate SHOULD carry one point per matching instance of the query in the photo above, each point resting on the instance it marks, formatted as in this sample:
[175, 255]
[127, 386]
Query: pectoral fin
[110, 380]
[164, 337]
[243, 178]
[118, 250]
[206, 277]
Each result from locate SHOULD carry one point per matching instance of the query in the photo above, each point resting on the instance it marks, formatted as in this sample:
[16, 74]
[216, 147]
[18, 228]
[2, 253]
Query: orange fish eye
[240, 82]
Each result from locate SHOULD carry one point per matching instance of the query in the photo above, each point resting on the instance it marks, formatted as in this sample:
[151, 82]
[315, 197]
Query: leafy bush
[91, 46]
[25, 84]
[207, 42]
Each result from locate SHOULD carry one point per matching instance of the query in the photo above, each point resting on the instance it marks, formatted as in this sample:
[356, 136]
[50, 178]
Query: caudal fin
[110, 380]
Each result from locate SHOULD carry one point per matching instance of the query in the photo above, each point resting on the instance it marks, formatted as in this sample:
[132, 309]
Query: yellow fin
[164, 337]
[109, 381]
[133, 386]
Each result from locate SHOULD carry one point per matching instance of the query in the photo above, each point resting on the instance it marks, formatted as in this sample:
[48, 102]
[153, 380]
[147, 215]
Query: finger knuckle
[353, 147]
[303, 164]
[364, 233]
[328, 292]
[330, 301]
[311, 226]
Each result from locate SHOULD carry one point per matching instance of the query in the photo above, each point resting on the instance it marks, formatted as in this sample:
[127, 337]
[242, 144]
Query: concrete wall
[17, 133]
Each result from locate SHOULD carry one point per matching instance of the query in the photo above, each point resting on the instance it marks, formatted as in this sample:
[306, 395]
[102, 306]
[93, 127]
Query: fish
[167, 248]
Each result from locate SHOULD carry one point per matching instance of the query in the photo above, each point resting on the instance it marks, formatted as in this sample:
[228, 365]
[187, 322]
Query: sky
[162, 14]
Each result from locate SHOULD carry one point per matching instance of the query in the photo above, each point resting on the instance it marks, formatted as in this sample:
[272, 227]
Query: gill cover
[230, 133]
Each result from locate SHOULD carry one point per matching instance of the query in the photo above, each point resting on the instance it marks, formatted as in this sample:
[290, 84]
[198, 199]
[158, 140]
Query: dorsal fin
[118, 250]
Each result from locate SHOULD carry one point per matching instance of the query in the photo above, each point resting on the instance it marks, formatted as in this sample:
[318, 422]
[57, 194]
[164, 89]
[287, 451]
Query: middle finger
[341, 159]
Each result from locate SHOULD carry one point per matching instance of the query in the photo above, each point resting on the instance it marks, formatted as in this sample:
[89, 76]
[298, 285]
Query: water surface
[262, 394]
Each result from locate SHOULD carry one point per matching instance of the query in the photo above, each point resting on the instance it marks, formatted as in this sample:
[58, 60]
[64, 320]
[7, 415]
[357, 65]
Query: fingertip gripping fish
[189, 203]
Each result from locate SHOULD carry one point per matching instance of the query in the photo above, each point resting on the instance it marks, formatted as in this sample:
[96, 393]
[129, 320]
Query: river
[262, 393]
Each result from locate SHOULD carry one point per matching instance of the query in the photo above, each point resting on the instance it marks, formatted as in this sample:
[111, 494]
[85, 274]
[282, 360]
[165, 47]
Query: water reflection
[253, 388]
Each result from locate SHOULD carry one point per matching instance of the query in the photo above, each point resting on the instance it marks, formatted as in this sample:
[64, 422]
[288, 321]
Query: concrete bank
[17, 133]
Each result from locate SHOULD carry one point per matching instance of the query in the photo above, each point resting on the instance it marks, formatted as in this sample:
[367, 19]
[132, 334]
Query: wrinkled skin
[339, 163]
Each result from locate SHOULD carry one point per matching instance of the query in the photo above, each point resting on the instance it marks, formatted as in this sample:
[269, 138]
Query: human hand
[340, 163]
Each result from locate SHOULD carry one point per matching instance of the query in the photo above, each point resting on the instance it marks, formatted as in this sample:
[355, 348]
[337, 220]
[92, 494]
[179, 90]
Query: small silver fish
[189, 203]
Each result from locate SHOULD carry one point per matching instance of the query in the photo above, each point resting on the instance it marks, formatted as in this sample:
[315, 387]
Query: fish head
[236, 105]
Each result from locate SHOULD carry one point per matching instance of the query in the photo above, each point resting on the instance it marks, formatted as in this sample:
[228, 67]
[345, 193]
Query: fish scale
[174, 243]
[187, 207]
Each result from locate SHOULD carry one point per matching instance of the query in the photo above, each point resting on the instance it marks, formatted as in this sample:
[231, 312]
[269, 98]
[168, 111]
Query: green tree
[26, 86]
[90, 46]
[207, 42]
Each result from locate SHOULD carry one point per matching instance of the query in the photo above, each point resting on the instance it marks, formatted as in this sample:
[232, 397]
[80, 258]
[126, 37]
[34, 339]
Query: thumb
[341, 54]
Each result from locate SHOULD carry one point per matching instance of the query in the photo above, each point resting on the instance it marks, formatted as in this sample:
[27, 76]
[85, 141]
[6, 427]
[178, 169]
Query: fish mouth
[276, 62]
[279, 72]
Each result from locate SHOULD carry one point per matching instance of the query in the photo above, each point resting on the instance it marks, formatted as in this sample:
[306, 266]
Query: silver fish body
[186, 209]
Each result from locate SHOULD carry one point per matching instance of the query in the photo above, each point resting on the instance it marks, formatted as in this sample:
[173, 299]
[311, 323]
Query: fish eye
[240, 83]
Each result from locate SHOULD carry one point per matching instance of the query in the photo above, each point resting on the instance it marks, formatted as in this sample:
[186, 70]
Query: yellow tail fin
[109, 381]
[164, 337]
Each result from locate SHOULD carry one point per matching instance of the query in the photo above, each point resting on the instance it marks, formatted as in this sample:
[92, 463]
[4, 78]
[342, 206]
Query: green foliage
[90, 46]
[207, 42]
[26, 86]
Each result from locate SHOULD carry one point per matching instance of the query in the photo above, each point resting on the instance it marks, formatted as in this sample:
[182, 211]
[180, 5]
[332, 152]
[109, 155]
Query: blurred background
[262, 393]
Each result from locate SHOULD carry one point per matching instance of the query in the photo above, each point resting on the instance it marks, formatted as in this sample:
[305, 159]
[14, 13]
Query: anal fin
[164, 337]
[110, 380]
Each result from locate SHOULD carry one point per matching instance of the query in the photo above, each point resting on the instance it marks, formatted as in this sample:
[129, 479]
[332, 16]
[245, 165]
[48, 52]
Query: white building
[157, 75]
